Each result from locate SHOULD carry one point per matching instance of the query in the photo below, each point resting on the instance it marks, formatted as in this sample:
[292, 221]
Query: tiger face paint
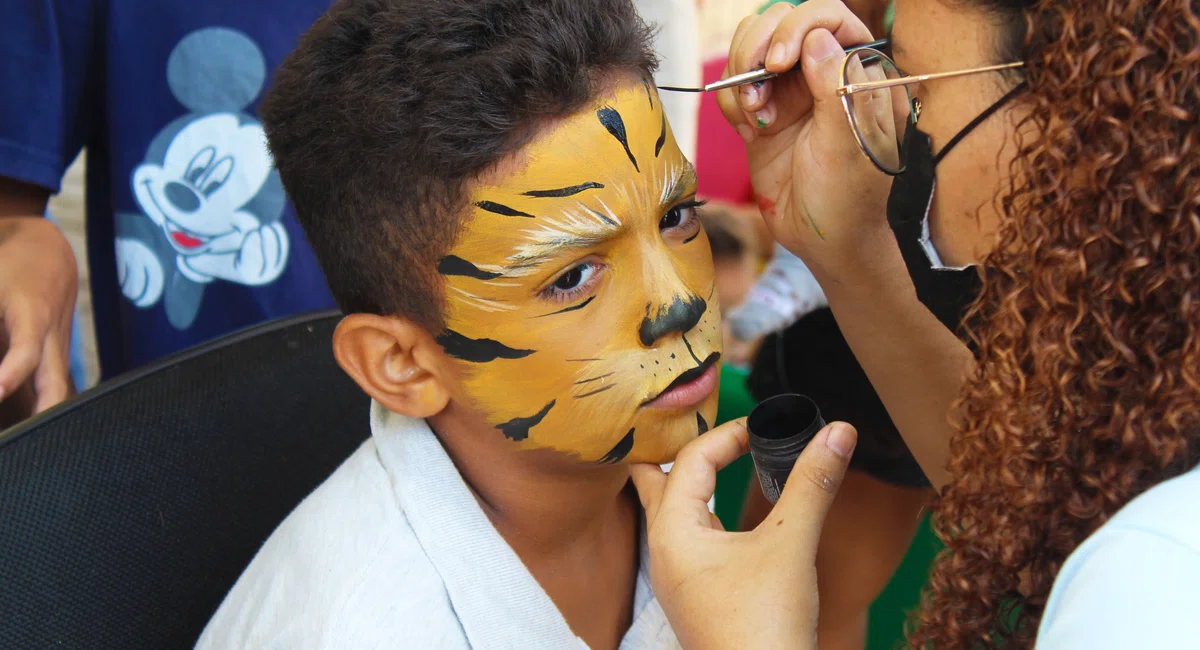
[581, 290]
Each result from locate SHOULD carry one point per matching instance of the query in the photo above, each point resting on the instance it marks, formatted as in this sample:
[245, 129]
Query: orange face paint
[581, 289]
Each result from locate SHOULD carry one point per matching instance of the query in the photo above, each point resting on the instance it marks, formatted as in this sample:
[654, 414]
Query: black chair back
[127, 513]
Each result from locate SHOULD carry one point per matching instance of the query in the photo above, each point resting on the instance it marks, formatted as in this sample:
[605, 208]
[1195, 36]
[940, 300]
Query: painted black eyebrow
[498, 208]
[565, 191]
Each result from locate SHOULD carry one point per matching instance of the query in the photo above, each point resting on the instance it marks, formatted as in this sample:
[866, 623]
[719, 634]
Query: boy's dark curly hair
[388, 109]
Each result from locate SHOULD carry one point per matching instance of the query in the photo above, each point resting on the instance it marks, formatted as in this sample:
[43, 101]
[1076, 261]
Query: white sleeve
[1127, 588]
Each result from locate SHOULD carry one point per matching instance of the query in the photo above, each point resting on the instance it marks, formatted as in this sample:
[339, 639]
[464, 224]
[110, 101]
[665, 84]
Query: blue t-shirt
[189, 233]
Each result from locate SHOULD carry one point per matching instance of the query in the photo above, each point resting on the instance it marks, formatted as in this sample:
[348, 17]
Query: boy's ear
[394, 361]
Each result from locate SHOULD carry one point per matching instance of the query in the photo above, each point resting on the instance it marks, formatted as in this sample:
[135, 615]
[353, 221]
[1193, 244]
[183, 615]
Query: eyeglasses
[878, 102]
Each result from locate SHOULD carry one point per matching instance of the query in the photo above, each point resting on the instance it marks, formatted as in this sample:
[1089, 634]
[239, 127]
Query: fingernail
[749, 94]
[777, 56]
[824, 45]
[841, 440]
[764, 117]
[746, 132]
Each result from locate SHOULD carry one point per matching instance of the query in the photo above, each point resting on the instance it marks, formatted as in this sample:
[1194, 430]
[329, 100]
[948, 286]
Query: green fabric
[734, 401]
[890, 611]
[775, 2]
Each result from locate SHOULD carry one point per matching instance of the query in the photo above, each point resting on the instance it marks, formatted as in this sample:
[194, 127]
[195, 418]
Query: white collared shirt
[393, 551]
[1135, 582]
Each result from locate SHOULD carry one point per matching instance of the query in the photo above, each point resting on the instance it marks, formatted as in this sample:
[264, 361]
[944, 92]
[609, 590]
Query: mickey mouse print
[210, 200]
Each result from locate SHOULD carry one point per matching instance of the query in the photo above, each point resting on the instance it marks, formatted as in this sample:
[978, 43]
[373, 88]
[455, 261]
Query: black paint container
[780, 428]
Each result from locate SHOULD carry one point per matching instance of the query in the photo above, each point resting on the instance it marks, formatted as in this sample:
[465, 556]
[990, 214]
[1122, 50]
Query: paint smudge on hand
[813, 223]
[765, 206]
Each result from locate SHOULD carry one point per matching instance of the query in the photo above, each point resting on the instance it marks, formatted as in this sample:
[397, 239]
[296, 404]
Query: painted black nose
[679, 316]
[181, 196]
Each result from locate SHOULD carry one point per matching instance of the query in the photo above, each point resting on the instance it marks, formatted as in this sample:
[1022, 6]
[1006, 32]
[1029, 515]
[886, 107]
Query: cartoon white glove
[259, 261]
[139, 272]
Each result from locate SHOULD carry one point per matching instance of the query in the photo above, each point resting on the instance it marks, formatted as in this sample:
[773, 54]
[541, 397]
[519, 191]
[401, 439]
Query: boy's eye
[573, 278]
[681, 216]
[574, 284]
[674, 217]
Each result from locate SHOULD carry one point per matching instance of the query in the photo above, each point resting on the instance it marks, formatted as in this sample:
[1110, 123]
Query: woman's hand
[820, 196]
[706, 579]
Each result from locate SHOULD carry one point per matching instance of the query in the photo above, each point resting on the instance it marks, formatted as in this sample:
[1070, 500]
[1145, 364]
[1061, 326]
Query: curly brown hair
[1087, 388]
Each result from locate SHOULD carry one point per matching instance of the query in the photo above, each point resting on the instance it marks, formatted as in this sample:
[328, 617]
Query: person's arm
[49, 57]
[826, 202]
[916, 365]
[38, 283]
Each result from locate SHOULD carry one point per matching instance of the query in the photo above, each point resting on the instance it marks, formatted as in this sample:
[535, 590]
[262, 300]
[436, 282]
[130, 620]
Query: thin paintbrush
[760, 75]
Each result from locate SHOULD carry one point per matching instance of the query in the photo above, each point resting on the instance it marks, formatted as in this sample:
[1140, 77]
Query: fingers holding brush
[774, 40]
[748, 52]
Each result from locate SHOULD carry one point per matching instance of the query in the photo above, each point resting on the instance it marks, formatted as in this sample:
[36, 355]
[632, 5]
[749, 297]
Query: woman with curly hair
[1063, 138]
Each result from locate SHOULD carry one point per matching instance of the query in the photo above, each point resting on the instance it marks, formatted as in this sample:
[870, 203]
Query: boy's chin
[661, 451]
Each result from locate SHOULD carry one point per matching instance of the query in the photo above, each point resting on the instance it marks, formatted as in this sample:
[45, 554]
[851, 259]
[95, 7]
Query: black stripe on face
[517, 429]
[478, 350]
[564, 191]
[689, 349]
[701, 425]
[571, 308]
[497, 208]
[689, 239]
[649, 95]
[662, 137]
[598, 390]
[612, 121]
[452, 265]
[620, 451]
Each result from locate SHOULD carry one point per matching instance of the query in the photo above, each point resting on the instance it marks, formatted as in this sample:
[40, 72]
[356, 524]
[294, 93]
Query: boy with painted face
[502, 211]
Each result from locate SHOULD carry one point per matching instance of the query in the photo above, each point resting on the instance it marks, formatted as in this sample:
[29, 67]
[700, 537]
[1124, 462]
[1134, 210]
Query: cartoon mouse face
[212, 168]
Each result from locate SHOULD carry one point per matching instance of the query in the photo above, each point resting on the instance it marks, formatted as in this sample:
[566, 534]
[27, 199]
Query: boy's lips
[690, 388]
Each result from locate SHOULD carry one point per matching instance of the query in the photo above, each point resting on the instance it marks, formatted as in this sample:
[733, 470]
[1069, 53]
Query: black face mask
[946, 292]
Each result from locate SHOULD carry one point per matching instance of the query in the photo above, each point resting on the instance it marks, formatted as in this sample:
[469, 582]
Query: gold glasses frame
[845, 90]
